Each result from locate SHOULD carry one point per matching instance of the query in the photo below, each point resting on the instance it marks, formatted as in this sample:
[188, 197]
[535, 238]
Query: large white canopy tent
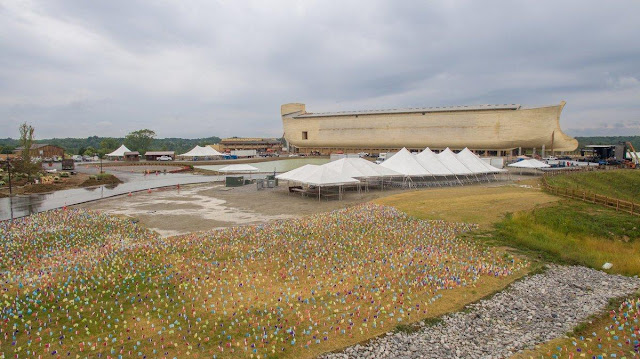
[468, 160]
[320, 176]
[199, 151]
[406, 164]
[491, 168]
[430, 161]
[449, 160]
[360, 168]
[292, 175]
[119, 152]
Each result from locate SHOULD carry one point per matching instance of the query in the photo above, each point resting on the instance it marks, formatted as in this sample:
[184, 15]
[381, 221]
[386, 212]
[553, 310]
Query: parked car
[77, 158]
[165, 158]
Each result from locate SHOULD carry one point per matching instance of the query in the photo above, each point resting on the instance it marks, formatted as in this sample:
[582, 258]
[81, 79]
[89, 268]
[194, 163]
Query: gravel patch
[532, 311]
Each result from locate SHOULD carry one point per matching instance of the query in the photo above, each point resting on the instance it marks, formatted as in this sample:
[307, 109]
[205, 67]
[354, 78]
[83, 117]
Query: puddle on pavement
[174, 207]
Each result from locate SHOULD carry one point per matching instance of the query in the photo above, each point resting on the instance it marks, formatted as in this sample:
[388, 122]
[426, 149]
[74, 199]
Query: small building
[42, 150]
[154, 155]
[260, 145]
[132, 156]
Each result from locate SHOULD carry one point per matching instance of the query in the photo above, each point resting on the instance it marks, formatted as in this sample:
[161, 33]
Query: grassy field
[621, 184]
[81, 283]
[473, 204]
[574, 232]
[549, 229]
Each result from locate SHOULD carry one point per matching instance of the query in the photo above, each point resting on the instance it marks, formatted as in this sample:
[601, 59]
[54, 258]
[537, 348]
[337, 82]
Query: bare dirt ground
[204, 207]
[21, 188]
[211, 206]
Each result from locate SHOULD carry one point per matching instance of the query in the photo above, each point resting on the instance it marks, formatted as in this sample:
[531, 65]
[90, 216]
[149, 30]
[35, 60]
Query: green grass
[622, 184]
[572, 232]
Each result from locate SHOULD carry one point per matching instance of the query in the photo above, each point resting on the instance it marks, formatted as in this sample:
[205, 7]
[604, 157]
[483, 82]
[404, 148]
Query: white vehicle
[165, 158]
[363, 154]
[77, 158]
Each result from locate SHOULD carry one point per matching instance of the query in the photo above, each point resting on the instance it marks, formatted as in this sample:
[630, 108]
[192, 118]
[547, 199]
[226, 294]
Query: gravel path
[534, 310]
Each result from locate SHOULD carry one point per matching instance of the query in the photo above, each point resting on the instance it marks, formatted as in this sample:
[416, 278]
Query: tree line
[141, 141]
[608, 140]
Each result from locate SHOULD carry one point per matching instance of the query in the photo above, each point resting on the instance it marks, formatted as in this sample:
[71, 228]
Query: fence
[591, 197]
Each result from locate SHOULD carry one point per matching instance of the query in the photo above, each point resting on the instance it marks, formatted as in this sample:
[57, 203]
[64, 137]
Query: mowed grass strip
[573, 232]
[473, 204]
[620, 184]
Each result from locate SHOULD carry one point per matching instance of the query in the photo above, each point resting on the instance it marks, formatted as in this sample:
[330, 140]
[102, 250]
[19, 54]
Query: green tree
[108, 145]
[90, 151]
[139, 140]
[7, 150]
[25, 163]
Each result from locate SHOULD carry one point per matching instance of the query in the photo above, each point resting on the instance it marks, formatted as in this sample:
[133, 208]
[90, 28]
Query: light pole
[10, 189]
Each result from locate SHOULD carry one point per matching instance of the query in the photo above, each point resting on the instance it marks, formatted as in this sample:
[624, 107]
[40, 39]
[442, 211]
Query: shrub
[1, 183]
[64, 174]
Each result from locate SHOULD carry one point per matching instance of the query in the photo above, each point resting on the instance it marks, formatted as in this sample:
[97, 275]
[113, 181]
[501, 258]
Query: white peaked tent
[119, 152]
[449, 160]
[474, 163]
[291, 175]
[405, 163]
[199, 151]
[532, 163]
[238, 169]
[360, 168]
[321, 176]
[430, 161]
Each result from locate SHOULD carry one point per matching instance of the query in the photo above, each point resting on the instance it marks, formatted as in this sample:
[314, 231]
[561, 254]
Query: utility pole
[101, 164]
[10, 189]
[9, 172]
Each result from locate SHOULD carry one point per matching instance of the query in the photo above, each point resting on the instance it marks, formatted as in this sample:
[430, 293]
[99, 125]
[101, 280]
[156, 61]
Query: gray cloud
[203, 68]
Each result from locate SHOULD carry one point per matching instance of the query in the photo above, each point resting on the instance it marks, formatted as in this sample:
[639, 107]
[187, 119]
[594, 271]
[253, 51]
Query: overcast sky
[223, 68]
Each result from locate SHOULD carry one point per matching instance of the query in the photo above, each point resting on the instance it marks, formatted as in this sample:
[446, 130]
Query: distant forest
[608, 140]
[95, 144]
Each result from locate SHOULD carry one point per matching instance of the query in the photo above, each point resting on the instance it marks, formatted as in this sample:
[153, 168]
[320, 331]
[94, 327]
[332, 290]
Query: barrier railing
[592, 197]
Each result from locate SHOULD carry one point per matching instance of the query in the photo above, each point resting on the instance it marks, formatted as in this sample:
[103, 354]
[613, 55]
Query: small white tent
[119, 152]
[405, 163]
[238, 169]
[449, 160]
[532, 163]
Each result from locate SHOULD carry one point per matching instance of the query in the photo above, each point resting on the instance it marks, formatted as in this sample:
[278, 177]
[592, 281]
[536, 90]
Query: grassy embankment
[543, 226]
[621, 184]
[547, 228]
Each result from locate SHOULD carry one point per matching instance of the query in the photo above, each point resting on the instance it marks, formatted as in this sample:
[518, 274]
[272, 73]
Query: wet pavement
[24, 205]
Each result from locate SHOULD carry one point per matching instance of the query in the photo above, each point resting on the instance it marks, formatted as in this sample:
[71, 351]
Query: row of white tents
[405, 168]
[198, 151]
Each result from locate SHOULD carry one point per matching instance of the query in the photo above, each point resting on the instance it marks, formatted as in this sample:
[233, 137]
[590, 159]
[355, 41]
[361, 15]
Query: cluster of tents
[404, 168]
[196, 152]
